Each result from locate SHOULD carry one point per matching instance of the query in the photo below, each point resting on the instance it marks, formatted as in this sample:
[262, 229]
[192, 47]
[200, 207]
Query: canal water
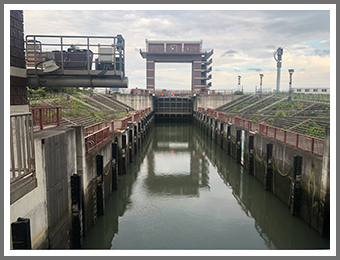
[183, 192]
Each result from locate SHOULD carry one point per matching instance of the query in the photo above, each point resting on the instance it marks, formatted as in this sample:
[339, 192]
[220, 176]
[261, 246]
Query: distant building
[311, 90]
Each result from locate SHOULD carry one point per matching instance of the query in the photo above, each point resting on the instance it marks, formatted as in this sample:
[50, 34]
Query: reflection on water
[183, 192]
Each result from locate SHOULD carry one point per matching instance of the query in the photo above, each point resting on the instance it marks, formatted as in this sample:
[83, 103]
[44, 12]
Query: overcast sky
[243, 40]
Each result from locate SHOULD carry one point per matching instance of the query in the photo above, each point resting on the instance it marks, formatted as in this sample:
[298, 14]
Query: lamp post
[261, 76]
[279, 53]
[239, 82]
[290, 83]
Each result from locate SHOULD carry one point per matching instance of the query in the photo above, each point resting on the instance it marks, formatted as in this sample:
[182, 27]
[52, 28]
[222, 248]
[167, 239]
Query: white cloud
[241, 39]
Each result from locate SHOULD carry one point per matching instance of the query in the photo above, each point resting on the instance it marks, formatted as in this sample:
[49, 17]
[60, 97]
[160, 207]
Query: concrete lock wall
[311, 201]
[213, 101]
[138, 102]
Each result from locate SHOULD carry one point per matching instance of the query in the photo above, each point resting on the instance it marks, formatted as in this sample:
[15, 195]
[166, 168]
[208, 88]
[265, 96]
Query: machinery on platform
[76, 61]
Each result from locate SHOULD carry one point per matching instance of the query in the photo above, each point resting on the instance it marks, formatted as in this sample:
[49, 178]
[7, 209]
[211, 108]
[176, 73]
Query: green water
[183, 192]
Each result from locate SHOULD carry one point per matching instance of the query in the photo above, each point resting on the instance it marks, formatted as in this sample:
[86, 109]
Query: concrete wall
[48, 205]
[137, 102]
[213, 101]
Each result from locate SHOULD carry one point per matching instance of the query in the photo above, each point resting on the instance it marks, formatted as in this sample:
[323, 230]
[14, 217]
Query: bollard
[238, 146]
[100, 185]
[114, 163]
[268, 174]
[77, 211]
[221, 135]
[251, 155]
[21, 234]
[296, 186]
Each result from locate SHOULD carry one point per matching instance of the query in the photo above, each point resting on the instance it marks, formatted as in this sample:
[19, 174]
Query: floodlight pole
[290, 83]
[279, 65]
[261, 76]
[239, 82]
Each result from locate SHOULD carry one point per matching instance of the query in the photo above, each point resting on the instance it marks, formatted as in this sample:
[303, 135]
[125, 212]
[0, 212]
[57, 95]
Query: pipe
[77, 81]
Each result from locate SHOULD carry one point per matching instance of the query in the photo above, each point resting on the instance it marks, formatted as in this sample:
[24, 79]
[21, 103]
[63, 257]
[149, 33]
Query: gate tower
[176, 52]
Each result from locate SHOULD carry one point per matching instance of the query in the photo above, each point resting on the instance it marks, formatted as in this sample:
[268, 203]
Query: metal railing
[21, 147]
[305, 142]
[97, 133]
[76, 52]
[43, 116]
[94, 139]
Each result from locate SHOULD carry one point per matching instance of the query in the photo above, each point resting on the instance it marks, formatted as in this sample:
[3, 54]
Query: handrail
[305, 142]
[45, 116]
[21, 147]
[97, 133]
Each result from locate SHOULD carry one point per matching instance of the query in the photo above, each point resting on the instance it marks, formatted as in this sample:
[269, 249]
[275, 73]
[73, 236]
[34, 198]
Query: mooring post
[238, 146]
[114, 163]
[100, 185]
[296, 186]
[77, 211]
[139, 133]
[268, 174]
[21, 234]
[251, 155]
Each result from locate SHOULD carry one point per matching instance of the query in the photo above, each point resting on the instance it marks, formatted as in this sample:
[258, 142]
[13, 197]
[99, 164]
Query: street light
[239, 82]
[261, 76]
[290, 83]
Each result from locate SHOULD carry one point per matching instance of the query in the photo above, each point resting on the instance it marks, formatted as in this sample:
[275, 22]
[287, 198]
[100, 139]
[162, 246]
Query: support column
[238, 146]
[77, 211]
[150, 74]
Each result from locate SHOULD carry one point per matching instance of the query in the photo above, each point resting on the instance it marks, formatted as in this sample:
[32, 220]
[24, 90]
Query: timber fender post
[77, 211]
[251, 155]
[114, 164]
[268, 174]
[238, 146]
[296, 186]
[228, 140]
[100, 185]
[130, 145]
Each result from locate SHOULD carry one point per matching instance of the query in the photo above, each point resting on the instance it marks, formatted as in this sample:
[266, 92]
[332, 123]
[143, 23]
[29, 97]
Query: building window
[168, 48]
[156, 48]
[315, 90]
[298, 90]
[187, 48]
[191, 48]
[151, 48]
[307, 90]
[324, 90]
[195, 49]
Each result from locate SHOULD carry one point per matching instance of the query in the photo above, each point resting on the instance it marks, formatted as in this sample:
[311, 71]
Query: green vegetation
[280, 114]
[238, 92]
[270, 121]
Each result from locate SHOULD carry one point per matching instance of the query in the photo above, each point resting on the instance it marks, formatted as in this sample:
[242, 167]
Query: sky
[243, 41]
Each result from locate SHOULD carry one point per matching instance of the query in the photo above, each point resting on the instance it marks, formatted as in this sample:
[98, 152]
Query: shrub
[280, 114]
[41, 92]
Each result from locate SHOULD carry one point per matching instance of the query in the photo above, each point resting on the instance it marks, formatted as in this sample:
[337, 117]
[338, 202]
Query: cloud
[326, 42]
[228, 53]
[255, 69]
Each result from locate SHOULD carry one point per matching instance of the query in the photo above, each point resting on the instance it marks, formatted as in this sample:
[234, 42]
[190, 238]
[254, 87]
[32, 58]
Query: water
[183, 192]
